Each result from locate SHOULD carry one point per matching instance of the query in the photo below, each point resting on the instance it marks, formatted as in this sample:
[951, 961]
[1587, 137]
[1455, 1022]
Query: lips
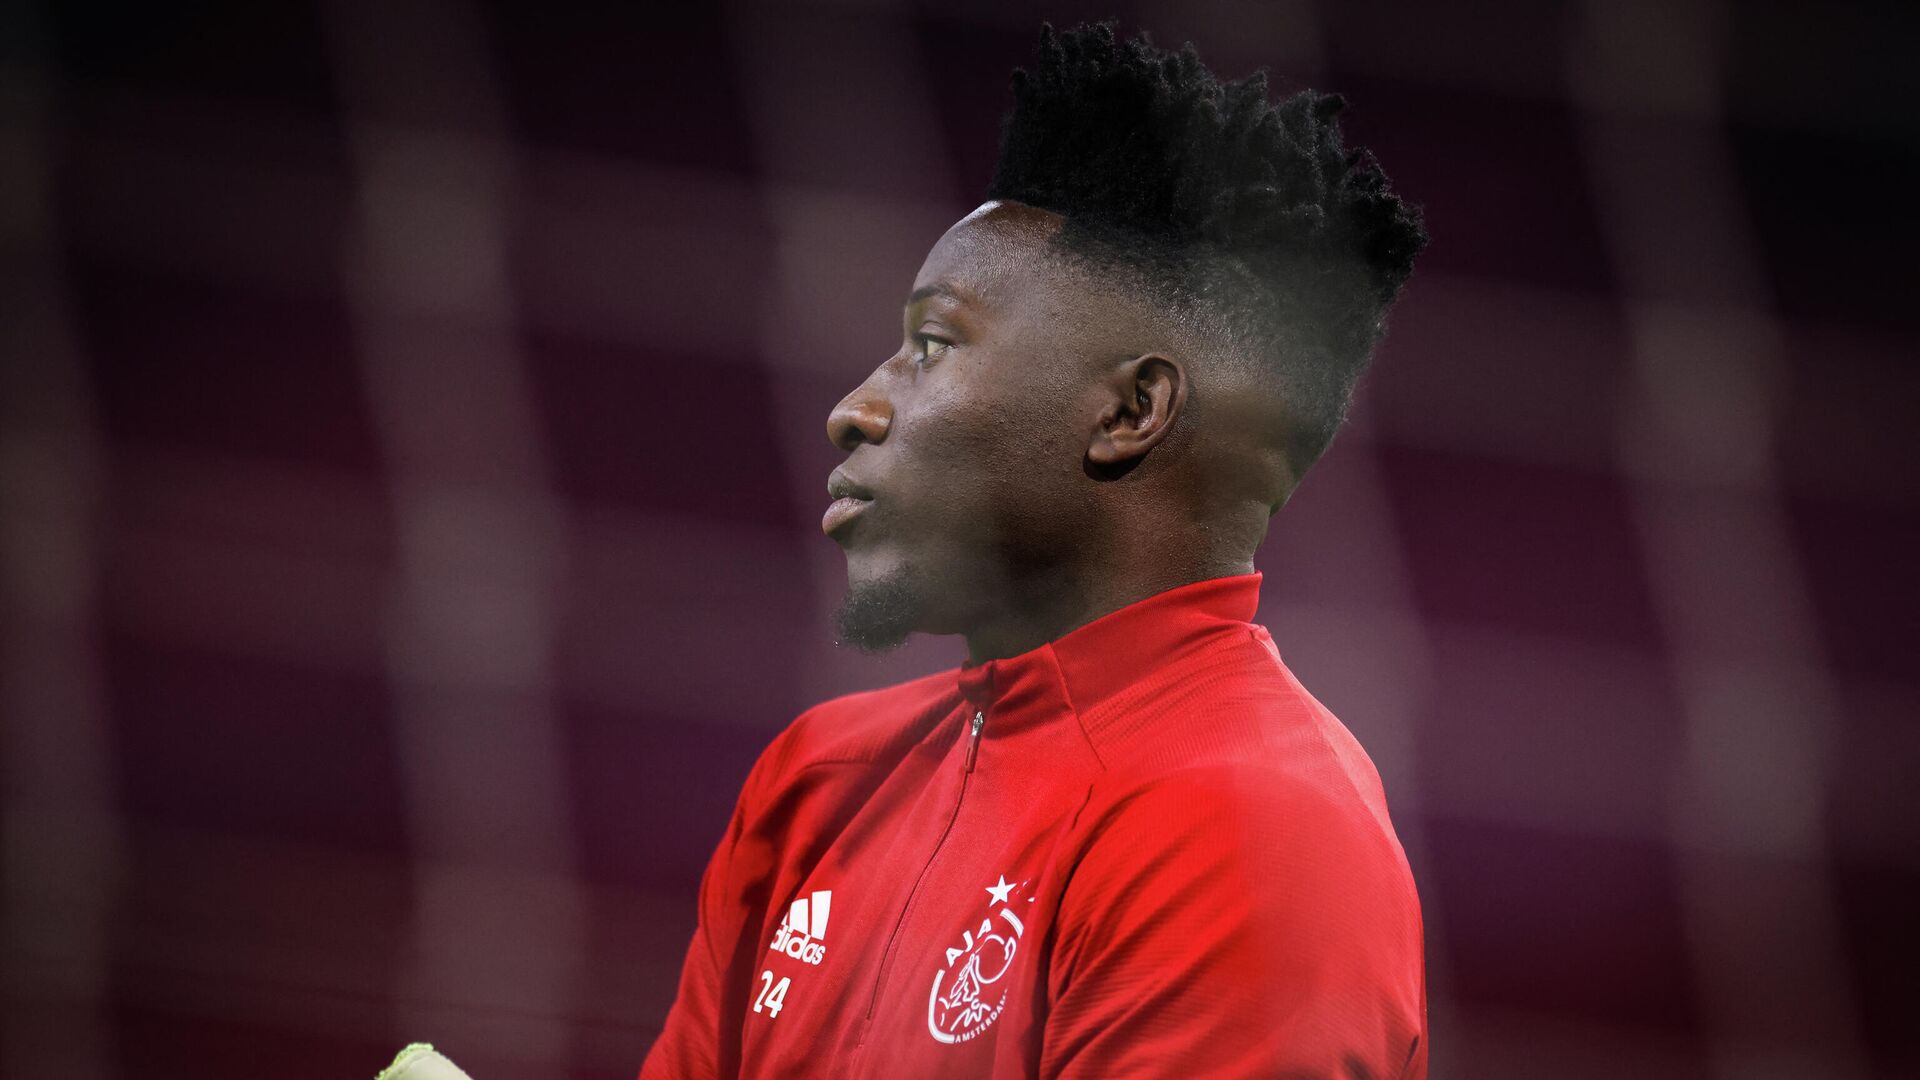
[849, 498]
[840, 513]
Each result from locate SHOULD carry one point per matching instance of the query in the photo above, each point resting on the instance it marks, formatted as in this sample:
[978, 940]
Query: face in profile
[963, 476]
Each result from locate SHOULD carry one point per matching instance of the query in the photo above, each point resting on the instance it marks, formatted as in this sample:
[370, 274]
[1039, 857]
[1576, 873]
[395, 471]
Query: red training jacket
[1141, 850]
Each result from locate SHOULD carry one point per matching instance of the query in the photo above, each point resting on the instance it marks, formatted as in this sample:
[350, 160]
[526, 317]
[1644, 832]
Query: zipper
[886, 957]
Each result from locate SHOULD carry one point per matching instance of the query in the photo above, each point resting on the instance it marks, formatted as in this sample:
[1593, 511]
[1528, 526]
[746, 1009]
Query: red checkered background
[412, 442]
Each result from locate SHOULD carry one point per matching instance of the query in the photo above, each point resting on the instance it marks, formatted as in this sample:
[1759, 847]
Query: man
[1121, 839]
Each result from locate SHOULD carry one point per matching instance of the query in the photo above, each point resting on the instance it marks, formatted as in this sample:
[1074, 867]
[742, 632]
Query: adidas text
[798, 946]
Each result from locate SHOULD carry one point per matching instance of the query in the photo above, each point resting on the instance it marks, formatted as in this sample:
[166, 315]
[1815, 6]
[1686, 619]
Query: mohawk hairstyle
[1246, 215]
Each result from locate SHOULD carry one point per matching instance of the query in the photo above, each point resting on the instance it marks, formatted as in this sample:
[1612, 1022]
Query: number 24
[771, 995]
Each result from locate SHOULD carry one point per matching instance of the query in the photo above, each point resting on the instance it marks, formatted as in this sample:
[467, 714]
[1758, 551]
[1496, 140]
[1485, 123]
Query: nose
[862, 416]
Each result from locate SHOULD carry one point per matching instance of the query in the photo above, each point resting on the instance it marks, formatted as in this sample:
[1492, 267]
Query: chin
[883, 607]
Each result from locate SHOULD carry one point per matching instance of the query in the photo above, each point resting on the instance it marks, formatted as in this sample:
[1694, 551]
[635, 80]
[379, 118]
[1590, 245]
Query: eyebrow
[938, 288]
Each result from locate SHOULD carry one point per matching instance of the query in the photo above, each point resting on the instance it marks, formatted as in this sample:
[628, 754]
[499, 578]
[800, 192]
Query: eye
[927, 347]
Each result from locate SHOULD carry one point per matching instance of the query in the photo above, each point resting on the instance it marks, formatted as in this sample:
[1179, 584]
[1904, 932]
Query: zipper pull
[973, 737]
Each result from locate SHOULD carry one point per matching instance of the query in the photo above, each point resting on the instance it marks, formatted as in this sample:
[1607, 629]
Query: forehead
[999, 248]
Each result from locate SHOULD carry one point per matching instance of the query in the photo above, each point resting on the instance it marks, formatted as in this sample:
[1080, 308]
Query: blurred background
[412, 446]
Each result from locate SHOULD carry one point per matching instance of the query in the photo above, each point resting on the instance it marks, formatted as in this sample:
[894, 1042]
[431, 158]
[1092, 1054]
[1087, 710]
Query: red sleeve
[689, 1044]
[1236, 922]
[692, 1045]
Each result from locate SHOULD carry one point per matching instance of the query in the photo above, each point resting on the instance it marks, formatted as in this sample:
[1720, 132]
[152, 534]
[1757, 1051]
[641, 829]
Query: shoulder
[1240, 734]
[864, 727]
[1274, 862]
[1245, 810]
[1249, 775]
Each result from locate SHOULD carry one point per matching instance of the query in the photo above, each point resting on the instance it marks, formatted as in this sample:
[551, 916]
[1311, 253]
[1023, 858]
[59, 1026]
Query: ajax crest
[968, 993]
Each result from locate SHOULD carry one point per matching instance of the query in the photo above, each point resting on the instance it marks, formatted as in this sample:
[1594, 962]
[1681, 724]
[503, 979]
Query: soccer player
[1120, 840]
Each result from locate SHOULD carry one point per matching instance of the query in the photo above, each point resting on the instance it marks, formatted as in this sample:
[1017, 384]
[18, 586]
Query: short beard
[880, 615]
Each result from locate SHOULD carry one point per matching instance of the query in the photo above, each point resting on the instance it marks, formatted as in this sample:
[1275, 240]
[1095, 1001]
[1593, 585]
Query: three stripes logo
[803, 929]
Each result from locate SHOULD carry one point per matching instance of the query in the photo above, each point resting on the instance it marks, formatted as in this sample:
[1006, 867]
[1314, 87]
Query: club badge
[968, 993]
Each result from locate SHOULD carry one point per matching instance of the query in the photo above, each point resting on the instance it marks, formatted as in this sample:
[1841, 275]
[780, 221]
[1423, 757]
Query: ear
[1140, 399]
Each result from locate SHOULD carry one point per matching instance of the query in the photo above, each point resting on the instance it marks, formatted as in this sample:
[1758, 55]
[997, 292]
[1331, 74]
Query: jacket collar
[1094, 662]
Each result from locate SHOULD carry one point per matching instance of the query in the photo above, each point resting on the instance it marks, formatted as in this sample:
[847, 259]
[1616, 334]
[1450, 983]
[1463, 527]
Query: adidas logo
[803, 928]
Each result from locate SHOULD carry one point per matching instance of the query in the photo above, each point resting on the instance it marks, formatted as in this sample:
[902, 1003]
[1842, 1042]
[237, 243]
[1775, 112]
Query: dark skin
[1045, 447]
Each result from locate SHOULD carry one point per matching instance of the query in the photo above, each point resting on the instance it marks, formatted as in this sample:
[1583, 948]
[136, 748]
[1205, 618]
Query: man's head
[1116, 369]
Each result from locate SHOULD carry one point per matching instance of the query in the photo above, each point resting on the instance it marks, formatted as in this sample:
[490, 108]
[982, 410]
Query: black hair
[1247, 214]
